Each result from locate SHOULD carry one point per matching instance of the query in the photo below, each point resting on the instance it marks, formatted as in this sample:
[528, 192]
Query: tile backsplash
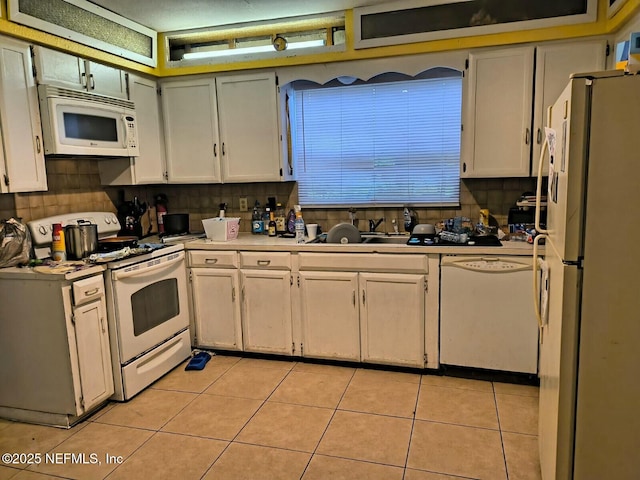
[74, 185]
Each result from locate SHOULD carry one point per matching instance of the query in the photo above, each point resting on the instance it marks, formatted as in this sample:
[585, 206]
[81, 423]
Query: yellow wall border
[602, 26]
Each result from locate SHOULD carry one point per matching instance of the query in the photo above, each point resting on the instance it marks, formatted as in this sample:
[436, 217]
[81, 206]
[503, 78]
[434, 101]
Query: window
[389, 143]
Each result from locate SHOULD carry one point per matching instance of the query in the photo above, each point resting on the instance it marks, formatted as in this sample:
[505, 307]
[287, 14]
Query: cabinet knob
[464, 167]
[215, 150]
[539, 136]
[527, 136]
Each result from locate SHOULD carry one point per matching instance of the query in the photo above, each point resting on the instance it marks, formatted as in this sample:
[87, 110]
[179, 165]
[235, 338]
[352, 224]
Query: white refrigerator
[589, 425]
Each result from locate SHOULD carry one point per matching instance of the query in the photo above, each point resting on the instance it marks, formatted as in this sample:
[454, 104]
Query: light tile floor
[244, 418]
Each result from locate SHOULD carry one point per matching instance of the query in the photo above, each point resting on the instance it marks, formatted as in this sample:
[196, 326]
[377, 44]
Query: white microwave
[80, 123]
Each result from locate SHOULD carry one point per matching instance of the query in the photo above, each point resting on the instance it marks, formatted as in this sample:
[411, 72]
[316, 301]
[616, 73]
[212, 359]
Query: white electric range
[147, 303]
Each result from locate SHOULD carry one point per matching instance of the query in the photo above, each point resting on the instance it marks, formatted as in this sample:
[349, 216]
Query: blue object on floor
[198, 361]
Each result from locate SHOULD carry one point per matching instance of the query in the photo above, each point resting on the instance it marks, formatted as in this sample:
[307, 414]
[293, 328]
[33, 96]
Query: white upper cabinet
[191, 128]
[65, 70]
[149, 166]
[248, 118]
[497, 113]
[554, 65]
[223, 129]
[23, 168]
[507, 93]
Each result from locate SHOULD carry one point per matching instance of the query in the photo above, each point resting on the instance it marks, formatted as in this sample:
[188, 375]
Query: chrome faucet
[373, 224]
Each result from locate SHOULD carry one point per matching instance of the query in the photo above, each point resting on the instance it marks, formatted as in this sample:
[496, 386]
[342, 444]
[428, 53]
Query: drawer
[87, 290]
[366, 262]
[266, 260]
[213, 259]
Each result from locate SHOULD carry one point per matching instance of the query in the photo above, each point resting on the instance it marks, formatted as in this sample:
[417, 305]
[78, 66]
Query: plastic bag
[15, 243]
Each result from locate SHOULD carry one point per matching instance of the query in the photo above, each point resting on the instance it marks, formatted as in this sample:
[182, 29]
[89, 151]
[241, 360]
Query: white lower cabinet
[266, 311]
[330, 315]
[216, 308]
[392, 318]
[94, 353]
[266, 302]
[65, 371]
[376, 312]
[215, 297]
[373, 308]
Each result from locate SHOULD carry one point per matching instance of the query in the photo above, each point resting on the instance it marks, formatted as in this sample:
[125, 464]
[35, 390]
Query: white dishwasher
[486, 316]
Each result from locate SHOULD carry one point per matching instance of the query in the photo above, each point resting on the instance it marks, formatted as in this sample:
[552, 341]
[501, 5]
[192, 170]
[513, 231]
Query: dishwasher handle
[488, 265]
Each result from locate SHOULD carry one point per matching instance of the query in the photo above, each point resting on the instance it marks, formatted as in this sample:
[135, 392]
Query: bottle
[257, 225]
[299, 225]
[266, 216]
[58, 250]
[223, 207]
[272, 225]
[281, 222]
[291, 221]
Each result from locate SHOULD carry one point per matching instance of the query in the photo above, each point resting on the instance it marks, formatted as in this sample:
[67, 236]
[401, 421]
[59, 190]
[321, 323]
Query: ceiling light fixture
[249, 50]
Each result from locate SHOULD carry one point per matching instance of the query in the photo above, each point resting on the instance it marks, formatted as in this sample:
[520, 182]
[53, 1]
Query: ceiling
[171, 15]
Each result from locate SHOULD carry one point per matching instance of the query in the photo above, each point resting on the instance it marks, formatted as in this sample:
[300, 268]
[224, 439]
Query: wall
[74, 186]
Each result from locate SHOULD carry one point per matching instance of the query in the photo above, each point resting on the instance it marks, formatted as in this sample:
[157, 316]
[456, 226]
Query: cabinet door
[94, 354]
[106, 80]
[191, 131]
[330, 315]
[248, 116]
[20, 120]
[392, 318]
[149, 165]
[266, 311]
[58, 68]
[497, 113]
[216, 308]
[554, 65]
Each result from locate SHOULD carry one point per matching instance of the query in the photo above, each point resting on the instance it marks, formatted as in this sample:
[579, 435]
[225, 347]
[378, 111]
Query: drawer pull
[264, 263]
[89, 293]
[211, 260]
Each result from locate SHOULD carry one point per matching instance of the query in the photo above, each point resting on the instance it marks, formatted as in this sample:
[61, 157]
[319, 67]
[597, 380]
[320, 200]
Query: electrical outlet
[244, 207]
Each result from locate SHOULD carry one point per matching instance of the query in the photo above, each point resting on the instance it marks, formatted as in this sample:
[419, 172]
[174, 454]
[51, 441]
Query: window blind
[378, 144]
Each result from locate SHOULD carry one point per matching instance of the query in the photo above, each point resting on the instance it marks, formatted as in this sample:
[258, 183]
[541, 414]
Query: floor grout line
[504, 455]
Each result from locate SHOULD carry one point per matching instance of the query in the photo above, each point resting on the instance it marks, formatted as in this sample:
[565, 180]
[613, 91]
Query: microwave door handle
[118, 275]
[125, 143]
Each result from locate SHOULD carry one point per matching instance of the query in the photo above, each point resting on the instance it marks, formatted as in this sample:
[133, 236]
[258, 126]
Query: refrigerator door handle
[536, 285]
[543, 149]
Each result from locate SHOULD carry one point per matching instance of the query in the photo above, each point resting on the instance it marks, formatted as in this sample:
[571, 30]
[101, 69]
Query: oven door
[150, 303]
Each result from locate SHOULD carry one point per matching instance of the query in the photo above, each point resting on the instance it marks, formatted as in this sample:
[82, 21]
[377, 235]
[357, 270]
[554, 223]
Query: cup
[312, 230]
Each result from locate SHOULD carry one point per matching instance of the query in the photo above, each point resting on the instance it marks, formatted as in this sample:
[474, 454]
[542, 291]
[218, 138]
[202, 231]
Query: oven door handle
[118, 275]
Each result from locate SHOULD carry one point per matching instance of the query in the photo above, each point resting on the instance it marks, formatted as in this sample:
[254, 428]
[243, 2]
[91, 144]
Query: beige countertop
[250, 242]
[64, 271]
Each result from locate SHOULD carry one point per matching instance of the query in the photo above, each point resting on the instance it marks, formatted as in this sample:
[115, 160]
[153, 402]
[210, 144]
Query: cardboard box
[221, 229]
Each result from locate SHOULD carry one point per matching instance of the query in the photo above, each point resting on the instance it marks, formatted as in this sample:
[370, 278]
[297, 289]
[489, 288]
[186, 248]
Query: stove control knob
[107, 220]
[114, 220]
[42, 230]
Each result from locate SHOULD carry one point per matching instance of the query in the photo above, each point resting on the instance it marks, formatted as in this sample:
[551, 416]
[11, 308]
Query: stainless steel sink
[396, 240]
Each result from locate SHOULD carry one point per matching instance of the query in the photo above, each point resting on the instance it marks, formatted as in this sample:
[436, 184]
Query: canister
[58, 249]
